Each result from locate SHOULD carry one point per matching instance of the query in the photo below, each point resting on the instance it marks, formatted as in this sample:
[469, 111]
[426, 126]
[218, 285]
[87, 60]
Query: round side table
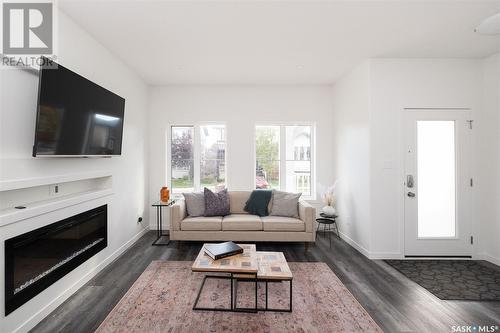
[328, 220]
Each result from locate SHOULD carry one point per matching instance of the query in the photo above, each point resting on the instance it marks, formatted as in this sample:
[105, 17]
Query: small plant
[330, 200]
[329, 197]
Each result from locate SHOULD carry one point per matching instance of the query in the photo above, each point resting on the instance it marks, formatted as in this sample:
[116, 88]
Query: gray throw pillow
[216, 204]
[195, 203]
[285, 204]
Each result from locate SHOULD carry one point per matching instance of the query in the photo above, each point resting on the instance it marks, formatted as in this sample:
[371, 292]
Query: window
[198, 157]
[213, 156]
[182, 159]
[302, 183]
[267, 153]
[283, 157]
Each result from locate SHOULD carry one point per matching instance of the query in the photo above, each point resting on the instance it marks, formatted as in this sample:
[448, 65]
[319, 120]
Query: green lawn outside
[274, 183]
[186, 183]
[182, 183]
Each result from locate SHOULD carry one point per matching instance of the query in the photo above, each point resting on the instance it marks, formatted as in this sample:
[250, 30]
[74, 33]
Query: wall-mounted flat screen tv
[75, 116]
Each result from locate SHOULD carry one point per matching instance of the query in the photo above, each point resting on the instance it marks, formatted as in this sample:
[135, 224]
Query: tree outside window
[213, 156]
[198, 161]
[182, 159]
[267, 150]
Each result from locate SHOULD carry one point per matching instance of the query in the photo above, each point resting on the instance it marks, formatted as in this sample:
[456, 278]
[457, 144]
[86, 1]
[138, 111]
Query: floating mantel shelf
[12, 215]
[16, 184]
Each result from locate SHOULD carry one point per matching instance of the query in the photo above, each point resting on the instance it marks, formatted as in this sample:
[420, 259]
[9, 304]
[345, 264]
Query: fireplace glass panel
[38, 258]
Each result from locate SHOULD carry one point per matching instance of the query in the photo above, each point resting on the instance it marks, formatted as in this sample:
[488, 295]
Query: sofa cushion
[281, 223]
[285, 204]
[202, 223]
[216, 204]
[237, 201]
[195, 203]
[242, 222]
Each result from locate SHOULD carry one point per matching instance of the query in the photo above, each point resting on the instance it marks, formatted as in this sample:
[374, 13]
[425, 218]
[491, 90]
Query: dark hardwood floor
[396, 303]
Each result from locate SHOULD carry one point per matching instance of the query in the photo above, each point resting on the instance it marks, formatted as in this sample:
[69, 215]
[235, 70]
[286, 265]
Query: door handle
[411, 194]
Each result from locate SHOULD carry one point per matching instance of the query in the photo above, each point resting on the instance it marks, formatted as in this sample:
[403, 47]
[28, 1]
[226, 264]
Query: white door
[437, 183]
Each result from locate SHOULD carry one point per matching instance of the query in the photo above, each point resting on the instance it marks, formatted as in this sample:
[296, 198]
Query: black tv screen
[75, 116]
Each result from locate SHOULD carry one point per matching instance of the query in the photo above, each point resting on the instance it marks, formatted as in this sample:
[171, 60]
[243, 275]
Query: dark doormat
[471, 280]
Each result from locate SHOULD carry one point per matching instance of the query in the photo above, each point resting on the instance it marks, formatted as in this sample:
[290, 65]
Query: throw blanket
[258, 202]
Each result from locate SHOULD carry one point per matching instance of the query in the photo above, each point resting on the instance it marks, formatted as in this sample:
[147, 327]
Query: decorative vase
[328, 210]
[164, 194]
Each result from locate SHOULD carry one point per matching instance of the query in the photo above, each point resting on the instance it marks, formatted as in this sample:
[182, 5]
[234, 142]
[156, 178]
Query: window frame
[196, 152]
[282, 153]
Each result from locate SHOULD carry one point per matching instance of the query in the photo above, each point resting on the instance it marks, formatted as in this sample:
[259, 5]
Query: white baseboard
[368, 254]
[385, 255]
[58, 300]
[355, 245]
[488, 257]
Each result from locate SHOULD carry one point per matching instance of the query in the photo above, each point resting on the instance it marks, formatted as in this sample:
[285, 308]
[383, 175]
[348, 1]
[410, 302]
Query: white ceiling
[278, 42]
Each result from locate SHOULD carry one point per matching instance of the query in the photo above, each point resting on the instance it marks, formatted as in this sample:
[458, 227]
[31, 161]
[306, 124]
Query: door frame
[402, 178]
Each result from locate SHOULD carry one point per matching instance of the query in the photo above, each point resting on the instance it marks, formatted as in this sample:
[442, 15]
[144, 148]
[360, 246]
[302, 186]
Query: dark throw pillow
[258, 202]
[216, 204]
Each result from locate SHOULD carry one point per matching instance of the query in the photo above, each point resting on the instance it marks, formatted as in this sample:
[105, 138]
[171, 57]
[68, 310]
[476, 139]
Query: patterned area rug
[161, 300]
[453, 279]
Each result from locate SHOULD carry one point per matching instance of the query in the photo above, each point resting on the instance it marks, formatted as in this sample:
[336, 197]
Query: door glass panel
[436, 178]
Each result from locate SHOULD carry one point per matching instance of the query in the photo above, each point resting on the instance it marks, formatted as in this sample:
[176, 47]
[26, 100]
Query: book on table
[222, 250]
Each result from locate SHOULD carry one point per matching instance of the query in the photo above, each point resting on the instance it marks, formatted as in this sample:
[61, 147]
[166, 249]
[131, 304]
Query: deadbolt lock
[409, 181]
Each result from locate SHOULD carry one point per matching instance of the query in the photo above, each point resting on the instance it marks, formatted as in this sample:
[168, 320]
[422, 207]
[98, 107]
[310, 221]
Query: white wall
[351, 155]
[488, 153]
[368, 106]
[399, 84]
[240, 107]
[81, 53]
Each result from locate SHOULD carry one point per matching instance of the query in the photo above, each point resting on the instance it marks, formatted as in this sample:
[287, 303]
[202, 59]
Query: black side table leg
[158, 222]
[330, 234]
[159, 226]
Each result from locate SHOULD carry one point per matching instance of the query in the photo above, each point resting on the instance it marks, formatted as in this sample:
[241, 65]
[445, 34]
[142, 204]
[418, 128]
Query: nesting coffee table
[250, 266]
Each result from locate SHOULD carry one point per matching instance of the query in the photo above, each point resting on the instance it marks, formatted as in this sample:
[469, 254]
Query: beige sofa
[241, 226]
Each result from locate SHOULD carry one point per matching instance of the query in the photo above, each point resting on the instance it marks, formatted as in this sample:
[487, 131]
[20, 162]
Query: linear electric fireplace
[37, 259]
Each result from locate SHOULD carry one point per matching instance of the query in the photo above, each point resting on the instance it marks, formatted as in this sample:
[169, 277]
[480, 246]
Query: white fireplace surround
[78, 193]
[38, 194]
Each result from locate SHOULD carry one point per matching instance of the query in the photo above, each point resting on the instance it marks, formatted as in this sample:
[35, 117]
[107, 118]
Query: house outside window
[284, 158]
